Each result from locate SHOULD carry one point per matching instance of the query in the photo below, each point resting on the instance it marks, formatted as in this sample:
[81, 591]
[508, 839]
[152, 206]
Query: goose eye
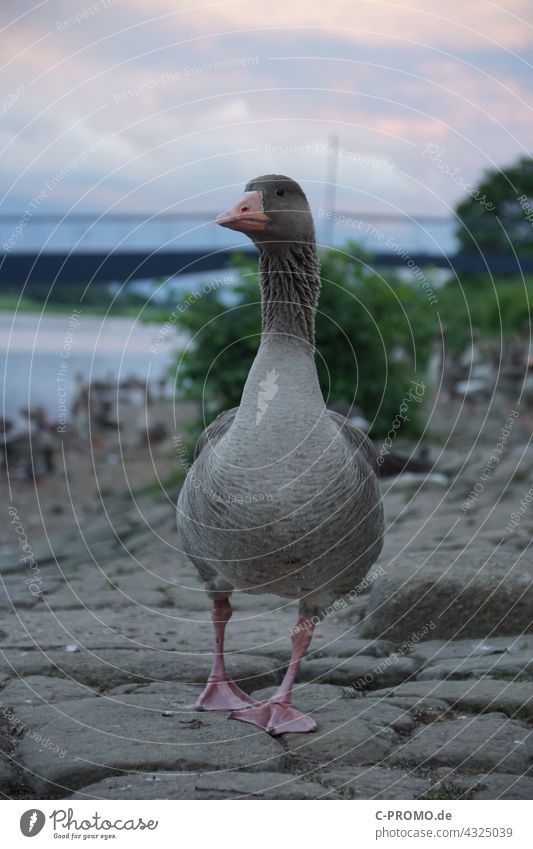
[279, 193]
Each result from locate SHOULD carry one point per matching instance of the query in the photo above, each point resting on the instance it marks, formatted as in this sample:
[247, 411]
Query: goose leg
[221, 693]
[278, 716]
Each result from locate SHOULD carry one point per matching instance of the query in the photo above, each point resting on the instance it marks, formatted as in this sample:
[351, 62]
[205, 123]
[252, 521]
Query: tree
[497, 217]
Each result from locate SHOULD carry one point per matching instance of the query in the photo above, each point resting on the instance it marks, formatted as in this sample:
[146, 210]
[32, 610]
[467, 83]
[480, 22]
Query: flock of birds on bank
[30, 440]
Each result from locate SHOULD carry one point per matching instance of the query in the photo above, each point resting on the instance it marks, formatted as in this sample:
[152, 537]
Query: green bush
[373, 336]
[492, 309]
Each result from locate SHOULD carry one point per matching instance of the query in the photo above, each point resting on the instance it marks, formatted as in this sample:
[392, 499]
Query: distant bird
[27, 447]
[283, 496]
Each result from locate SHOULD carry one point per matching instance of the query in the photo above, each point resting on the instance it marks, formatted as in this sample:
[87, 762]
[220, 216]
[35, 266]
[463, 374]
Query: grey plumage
[283, 496]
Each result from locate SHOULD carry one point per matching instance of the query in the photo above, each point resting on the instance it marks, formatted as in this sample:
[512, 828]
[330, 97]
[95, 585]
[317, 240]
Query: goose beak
[247, 215]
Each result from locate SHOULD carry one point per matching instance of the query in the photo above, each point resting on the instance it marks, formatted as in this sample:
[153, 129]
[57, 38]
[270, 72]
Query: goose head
[273, 209]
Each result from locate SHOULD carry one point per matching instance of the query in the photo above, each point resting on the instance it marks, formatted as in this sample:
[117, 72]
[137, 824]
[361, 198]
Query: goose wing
[357, 439]
[215, 430]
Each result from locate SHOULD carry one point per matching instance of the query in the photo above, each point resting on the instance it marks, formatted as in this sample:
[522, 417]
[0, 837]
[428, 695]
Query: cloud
[455, 25]
[189, 97]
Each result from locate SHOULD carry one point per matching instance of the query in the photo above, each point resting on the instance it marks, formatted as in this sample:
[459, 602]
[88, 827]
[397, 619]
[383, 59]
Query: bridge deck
[21, 268]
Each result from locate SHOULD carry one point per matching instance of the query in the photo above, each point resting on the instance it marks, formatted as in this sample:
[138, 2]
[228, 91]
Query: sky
[130, 105]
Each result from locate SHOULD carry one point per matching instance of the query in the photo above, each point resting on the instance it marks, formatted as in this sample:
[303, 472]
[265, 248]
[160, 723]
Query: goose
[283, 495]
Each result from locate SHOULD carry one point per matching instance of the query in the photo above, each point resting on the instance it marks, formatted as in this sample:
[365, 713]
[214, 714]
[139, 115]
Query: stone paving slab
[437, 651]
[478, 593]
[118, 705]
[7, 772]
[350, 731]
[361, 673]
[423, 710]
[489, 742]
[102, 737]
[350, 645]
[483, 696]
[152, 700]
[374, 782]
[510, 665]
[166, 688]
[214, 785]
[104, 669]
[493, 785]
[118, 581]
[128, 626]
[8, 780]
[18, 591]
[40, 689]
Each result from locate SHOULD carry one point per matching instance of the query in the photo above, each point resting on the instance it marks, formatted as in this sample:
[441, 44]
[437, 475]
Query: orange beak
[247, 215]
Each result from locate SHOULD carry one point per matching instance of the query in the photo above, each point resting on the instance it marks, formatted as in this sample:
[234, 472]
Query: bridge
[79, 248]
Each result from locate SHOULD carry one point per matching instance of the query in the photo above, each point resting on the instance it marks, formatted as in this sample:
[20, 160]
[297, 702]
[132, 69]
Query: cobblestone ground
[421, 687]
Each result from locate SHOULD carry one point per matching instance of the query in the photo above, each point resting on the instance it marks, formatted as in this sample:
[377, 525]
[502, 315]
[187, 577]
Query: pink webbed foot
[276, 718]
[223, 695]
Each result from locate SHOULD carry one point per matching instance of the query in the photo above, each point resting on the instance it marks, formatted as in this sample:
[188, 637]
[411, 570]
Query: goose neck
[290, 287]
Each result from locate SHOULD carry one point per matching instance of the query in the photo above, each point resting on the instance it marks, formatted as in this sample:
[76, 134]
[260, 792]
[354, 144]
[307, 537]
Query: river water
[40, 357]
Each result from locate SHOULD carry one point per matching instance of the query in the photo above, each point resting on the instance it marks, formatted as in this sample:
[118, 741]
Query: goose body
[284, 500]
[283, 496]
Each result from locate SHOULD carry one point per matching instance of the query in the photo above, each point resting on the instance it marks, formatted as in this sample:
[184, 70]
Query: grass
[161, 489]
[12, 304]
